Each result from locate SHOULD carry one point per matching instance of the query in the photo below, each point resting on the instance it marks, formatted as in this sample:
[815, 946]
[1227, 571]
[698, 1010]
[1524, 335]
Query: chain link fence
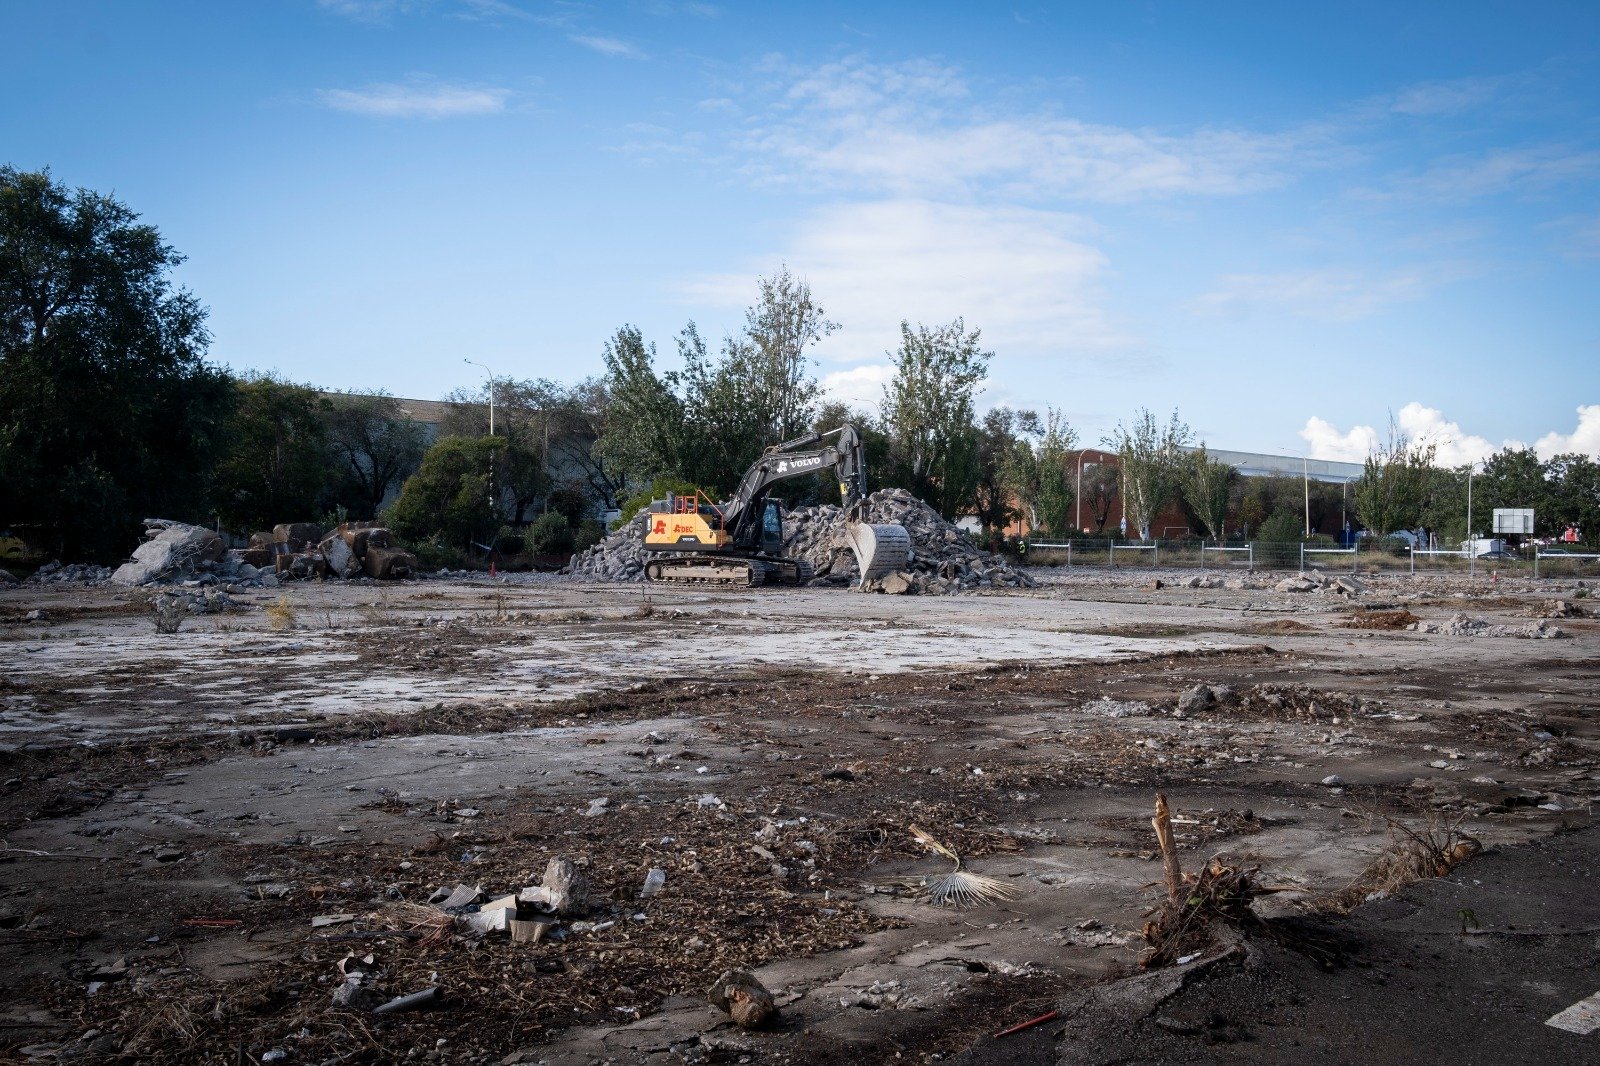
[1368, 555]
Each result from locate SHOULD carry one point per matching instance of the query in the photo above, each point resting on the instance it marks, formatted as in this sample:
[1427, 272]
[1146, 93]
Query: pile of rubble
[179, 553]
[75, 574]
[1317, 581]
[300, 550]
[1460, 625]
[943, 558]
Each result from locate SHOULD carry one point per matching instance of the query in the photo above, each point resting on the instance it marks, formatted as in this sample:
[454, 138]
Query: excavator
[740, 542]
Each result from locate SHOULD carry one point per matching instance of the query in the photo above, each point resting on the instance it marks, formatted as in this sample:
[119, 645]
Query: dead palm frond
[958, 888]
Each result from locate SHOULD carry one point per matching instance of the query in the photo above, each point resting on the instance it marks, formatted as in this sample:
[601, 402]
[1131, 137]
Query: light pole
[1472, 547]
[1305, 474]
[1078, 499]
[490, 374]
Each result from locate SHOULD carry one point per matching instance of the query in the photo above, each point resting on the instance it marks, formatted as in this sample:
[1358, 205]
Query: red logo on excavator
[661, 526]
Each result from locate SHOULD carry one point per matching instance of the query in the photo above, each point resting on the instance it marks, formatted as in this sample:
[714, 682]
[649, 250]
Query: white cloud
[1023, 276]
[1453, 445]
[1500, 170]
[909, 129]
[416, 100]
[1445, 97]
[608, 46]
[1585, 439]
[861, 386]
[383, 10]
[1331, 295]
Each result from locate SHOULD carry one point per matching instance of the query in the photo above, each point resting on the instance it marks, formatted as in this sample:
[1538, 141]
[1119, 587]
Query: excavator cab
[772, 527]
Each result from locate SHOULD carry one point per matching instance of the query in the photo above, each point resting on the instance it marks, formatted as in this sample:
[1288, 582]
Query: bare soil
[178, 809]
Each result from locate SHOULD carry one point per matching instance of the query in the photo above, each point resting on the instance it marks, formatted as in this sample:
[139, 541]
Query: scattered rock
[743, 997]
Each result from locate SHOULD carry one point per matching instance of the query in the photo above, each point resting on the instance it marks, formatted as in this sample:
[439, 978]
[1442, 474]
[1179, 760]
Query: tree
[1392, 488]
[374, 447]
[928, 411]
[645, 432]
[274, 466]
[779, 329]
[1007, 481]
[1041, 472]
[108, 410]
[1206, 485]
[1516, 477]
[1574, 493]
[1150, 456]
[1102, 488]
[447, 500]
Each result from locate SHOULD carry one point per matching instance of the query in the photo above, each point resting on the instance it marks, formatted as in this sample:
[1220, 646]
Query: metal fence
[1366, 556]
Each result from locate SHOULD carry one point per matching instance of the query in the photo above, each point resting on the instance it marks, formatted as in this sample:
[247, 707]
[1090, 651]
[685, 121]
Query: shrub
[549, 534]
[588, 535]
[1282, 528]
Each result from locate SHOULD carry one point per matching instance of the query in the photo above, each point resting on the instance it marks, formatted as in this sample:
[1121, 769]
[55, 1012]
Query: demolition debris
[943, 557]
[178, 553]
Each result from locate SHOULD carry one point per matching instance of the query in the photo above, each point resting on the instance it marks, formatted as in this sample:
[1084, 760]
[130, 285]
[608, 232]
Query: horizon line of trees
[109, 413]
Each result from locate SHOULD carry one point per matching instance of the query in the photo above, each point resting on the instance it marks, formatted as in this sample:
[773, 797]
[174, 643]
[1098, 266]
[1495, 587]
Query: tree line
[110, 412]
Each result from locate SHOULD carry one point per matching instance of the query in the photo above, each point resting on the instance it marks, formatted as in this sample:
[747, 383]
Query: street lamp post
[1078, 499]
[490, 375]
[1472, 547]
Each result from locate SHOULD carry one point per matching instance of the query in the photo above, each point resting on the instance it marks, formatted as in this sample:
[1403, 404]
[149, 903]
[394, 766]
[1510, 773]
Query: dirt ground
[205, 831]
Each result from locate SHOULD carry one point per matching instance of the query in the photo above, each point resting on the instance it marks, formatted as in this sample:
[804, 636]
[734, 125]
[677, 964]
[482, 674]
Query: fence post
[1411, 549]
[1111, 551]
[1302, 557]
[1250, 568]
[1069, 555]
[1536, 562]
[1155, 553]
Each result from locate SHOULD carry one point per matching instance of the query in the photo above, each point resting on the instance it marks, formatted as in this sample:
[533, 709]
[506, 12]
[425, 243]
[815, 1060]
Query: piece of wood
[1169, 848]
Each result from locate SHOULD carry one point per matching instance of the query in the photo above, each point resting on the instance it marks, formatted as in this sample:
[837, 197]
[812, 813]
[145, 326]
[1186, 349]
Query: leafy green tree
[1008, 471]
[108, 410]
[1393, 487]
[274, 466]
[1516, 477]
[780, 329]
[1040, 472]
[374, 446]
[1575, 494]
[1206, 485]
[1150, 456]
[646, 434]
[447, 500]
[928, 410]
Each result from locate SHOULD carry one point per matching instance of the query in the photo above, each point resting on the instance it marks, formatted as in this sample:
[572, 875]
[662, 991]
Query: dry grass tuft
[280, 613]
[1412, 855]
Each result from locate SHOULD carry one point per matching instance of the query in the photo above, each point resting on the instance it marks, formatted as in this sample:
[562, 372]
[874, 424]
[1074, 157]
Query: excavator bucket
[880, 549]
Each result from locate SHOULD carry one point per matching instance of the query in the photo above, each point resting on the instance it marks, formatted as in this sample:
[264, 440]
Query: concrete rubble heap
[178, 553]
[943, 557]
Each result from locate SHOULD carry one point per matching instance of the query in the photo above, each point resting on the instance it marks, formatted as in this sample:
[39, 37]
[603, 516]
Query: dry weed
[280, 613]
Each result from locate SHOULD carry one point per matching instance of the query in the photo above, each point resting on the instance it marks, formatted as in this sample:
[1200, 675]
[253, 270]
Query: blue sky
[1290, 221]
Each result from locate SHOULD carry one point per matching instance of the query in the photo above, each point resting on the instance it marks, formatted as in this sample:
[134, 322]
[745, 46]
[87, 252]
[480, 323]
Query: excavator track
[722, 570]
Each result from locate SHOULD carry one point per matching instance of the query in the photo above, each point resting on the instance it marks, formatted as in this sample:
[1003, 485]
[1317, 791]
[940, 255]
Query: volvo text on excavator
[740, 542]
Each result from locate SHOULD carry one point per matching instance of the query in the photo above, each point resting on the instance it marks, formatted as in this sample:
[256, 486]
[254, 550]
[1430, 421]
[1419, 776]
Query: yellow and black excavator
[740, 542]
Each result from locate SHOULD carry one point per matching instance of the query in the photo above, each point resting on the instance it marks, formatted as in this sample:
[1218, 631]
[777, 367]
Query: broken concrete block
[299, 536]
[174, 549]
[897, 584]
[1196, 699]
[743, 997]
[388, 563]
[564, 890]
[342, 561]
[1350, 586]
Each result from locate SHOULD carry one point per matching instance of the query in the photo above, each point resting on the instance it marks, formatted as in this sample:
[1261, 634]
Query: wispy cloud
[1432, 98]
[416, 100]
[383, 10]
[911, 129]
[1330, 295]
[1026, 277]
[370, 10]
[607, 46]
[1528, 169]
